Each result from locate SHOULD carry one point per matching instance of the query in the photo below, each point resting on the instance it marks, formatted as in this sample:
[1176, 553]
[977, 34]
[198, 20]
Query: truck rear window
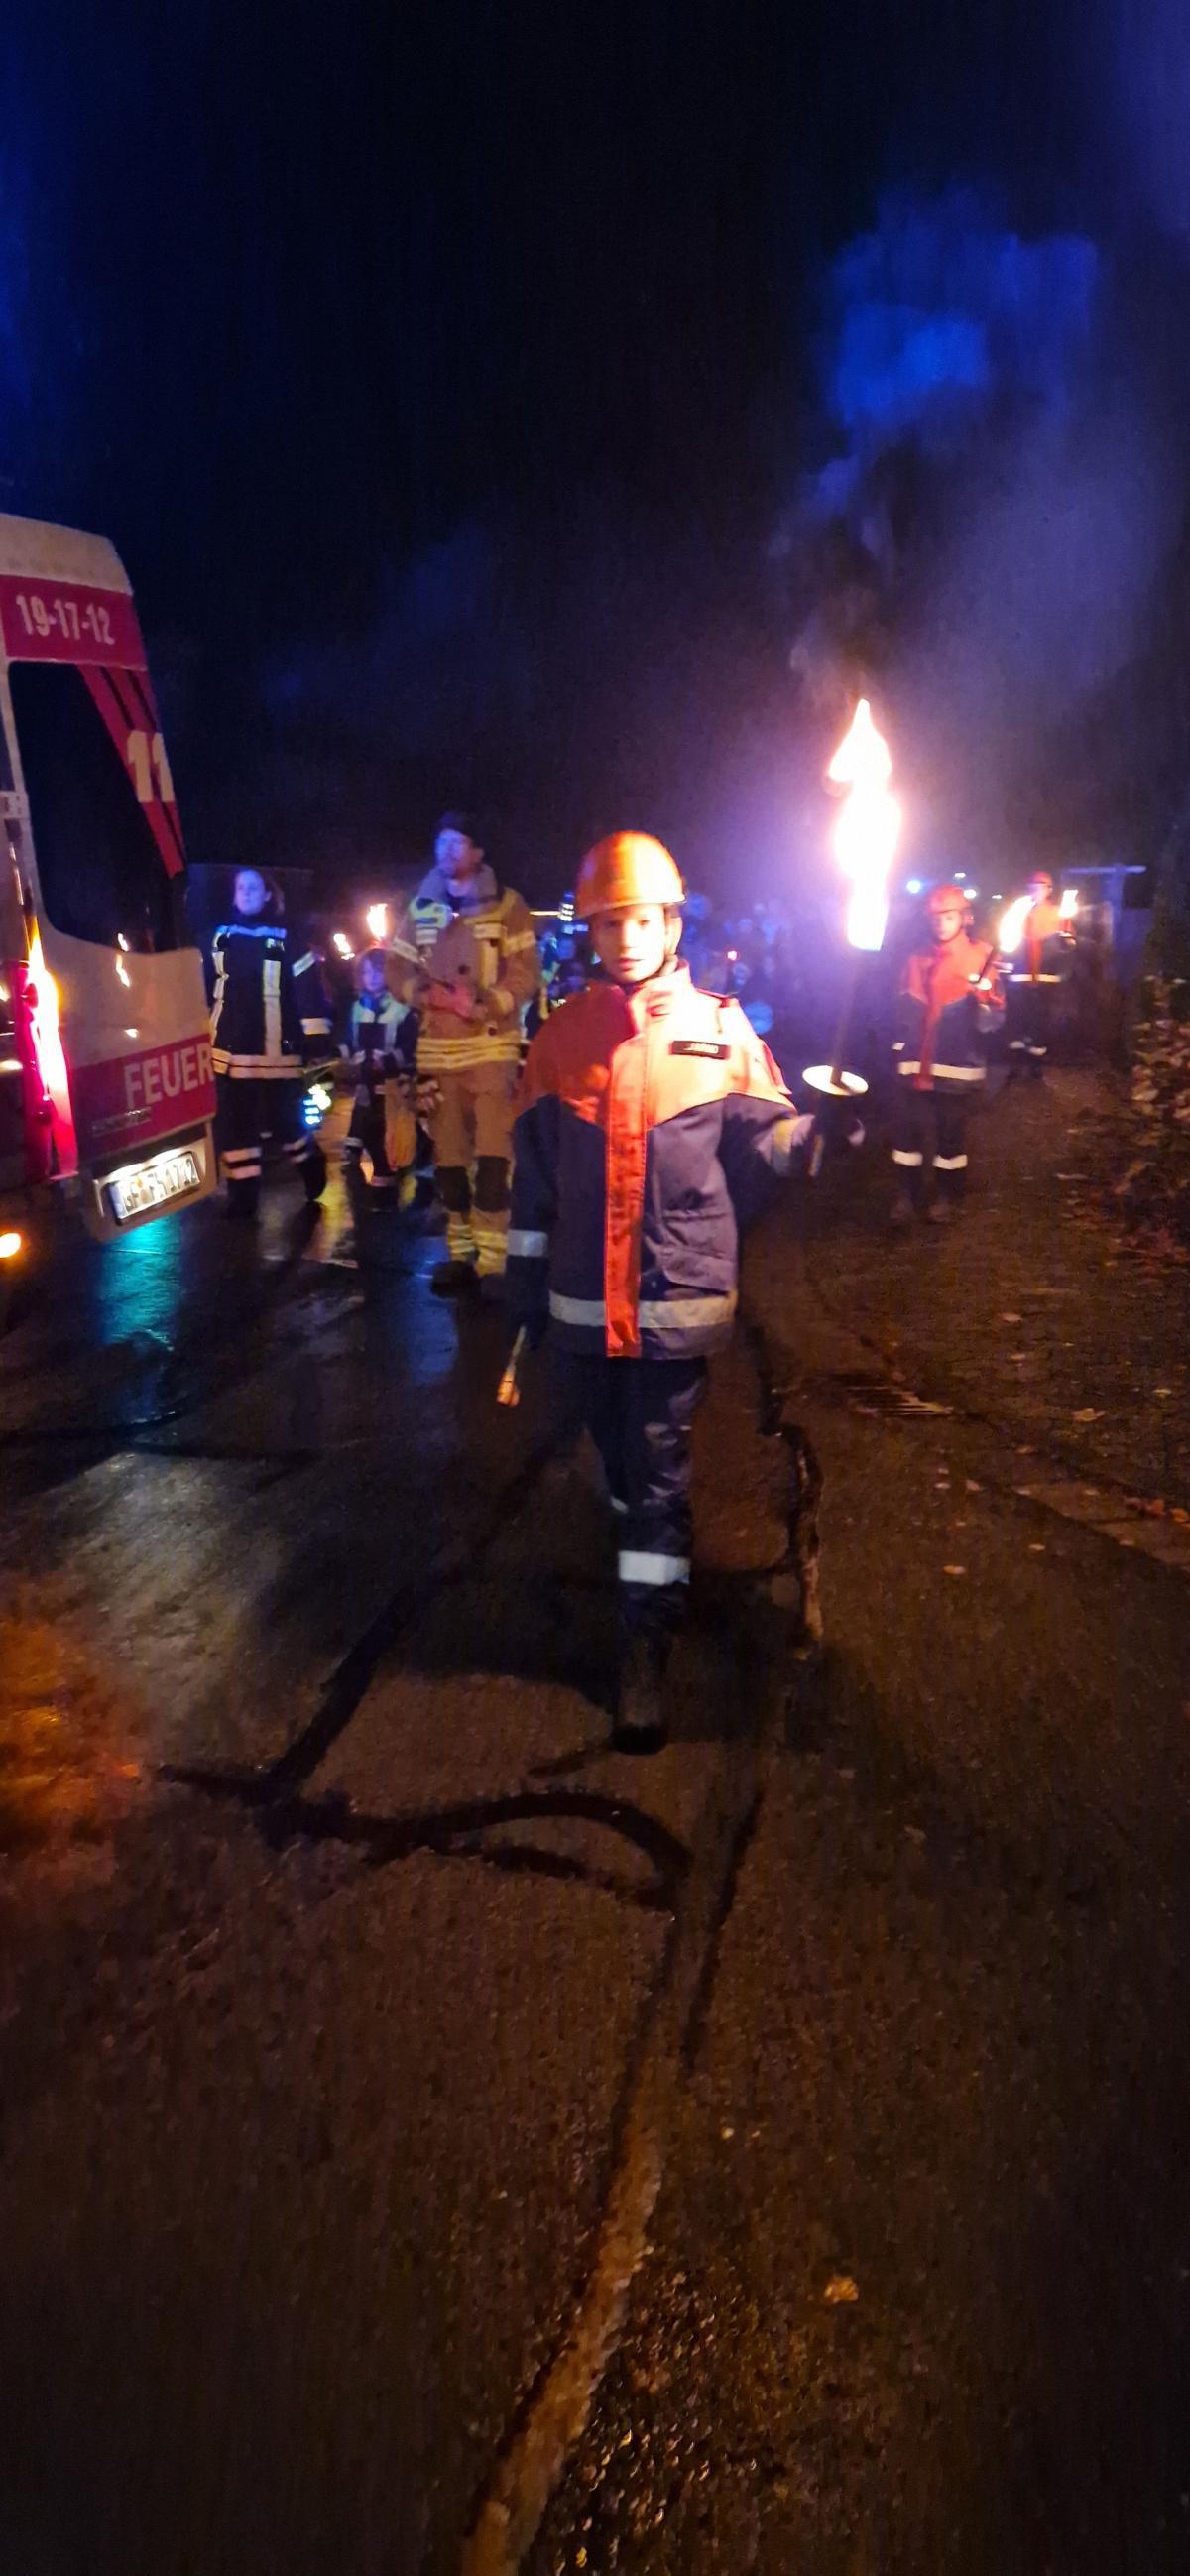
[98, 862]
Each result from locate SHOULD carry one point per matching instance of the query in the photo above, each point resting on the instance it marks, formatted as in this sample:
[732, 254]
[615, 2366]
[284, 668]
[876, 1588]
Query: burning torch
[865, 837]
[1014, 922]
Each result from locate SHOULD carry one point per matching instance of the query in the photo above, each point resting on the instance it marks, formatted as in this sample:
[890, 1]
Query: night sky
[443, 372]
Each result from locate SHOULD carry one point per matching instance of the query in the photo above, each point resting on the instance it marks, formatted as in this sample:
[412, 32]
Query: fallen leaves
[65, 1752]
[1087, 1413]
[954, 1569]
[841, 2291]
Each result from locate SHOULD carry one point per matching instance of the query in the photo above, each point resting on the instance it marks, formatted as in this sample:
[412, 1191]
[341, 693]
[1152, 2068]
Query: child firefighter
[380, 1045]
[649, 1121]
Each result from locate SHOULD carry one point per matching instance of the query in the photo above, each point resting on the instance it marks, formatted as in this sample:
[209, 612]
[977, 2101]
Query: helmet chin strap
[666, 967]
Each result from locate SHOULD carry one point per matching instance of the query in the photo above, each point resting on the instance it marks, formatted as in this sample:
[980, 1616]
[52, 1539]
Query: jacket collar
[662, 994]
[482, 889]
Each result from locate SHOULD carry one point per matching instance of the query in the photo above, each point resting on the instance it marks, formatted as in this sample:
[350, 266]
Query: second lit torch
[865, 837]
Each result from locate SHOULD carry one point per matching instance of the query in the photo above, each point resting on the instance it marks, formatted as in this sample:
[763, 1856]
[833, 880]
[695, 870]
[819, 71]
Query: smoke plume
[978, 536]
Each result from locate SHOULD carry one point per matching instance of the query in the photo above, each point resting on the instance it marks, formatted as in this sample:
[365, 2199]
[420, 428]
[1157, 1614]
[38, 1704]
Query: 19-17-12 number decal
[65, 617]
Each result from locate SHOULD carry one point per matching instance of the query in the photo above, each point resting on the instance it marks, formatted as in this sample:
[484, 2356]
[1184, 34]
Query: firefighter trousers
[248, 1110]
[1030, 1024]
[640, 1414]
[471, 1125]
[924, 1117]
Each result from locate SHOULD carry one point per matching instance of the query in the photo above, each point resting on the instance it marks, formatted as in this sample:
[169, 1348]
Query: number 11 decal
[150, 768]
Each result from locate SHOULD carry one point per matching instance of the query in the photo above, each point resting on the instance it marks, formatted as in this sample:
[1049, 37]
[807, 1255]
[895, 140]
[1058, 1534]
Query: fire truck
[105, 1066]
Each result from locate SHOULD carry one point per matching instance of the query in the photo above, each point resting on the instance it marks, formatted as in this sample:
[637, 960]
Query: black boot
[640, 1719]
[314, 1174]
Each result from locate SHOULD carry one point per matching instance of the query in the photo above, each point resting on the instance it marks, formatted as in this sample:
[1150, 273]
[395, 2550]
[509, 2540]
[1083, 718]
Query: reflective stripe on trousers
[245, 1110]
[926, 1119]
[640, 1414]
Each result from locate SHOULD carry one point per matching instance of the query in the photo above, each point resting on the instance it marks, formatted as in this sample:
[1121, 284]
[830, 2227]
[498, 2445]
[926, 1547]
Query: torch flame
[1012, 924]
[868, 827]
[342, 945]
[863, 757]
[1069, 903]
[376, 918]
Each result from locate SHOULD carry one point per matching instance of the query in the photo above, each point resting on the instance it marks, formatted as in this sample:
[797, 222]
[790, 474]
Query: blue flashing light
[916, 885]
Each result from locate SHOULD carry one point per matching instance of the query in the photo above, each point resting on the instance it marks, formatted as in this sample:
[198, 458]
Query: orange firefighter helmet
[627, 868]
[947, 898]
[1041, 877]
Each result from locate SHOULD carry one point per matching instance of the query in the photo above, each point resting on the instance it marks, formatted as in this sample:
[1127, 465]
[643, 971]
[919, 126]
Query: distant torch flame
[1069, 903]
[376, 918]
[1012, 924]
[342, 944]
[868, 827]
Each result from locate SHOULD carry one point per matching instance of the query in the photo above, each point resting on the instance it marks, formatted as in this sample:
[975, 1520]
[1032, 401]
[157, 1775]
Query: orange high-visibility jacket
[943, 1018]
[648, 1123]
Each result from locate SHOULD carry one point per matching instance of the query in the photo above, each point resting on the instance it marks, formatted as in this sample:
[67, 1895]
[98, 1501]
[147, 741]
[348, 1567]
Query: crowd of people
[603, 1118]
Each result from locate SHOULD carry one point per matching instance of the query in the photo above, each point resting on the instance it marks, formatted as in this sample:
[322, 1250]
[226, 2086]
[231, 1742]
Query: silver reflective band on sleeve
[523, 1246]
[618, 1504]
[636, 1567]
[912, 1162]
[950, 1162]
[577, 1310]
[685, 1314]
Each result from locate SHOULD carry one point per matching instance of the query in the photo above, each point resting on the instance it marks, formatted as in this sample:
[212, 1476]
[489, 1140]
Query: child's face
[371, 975]
[947, 926]
[635, 943]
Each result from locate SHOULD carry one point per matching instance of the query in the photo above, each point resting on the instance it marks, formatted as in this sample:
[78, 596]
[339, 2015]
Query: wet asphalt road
[820, 2091]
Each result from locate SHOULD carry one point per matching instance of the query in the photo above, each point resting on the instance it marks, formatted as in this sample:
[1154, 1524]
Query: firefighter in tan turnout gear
[464, 954]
